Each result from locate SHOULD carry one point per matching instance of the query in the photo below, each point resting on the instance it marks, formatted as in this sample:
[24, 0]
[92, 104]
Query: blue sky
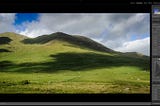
[135, 37]
[118, 31]
[22, 18]
[27, 17]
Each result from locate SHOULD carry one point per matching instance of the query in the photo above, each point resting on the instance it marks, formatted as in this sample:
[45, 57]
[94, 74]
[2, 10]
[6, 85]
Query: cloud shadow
[4, 50]
[5, 40]
[76, 62]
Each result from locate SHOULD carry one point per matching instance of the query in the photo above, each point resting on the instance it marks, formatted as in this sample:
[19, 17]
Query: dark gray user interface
[156, 53]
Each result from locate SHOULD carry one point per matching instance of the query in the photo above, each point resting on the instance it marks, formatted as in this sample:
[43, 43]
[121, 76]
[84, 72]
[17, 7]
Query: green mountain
[56, 43]
[76, 40]
[63, 63]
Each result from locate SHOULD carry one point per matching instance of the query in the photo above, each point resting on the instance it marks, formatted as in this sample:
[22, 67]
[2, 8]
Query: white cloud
[6, 22]
[83, 24]
[126, 25]
[141, 46]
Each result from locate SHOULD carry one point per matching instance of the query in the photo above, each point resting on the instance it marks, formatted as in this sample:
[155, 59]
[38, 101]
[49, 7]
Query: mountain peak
[73, 39]
[60, 33]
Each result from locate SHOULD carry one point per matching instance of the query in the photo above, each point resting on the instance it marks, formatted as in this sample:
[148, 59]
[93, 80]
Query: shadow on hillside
[76, 62]
[5, 40]
[4, 50]
[4, 64]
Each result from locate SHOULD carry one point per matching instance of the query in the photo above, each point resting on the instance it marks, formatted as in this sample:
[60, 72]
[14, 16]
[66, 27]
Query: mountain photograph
[53, 54]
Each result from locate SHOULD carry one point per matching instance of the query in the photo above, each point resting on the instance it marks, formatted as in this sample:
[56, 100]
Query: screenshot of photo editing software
[79, 52]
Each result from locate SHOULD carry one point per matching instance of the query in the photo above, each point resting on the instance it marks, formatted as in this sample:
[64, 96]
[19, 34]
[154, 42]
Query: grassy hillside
[83, 42]
[61, 66]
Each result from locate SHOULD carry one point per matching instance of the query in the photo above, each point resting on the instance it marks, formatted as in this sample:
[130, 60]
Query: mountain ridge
[73, 39]
[79, 40]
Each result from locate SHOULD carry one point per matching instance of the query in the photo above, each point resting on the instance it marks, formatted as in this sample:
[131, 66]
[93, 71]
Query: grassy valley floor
[113, 80]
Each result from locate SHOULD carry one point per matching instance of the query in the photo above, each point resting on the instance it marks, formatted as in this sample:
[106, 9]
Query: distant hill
[77, 40]
[73, 39]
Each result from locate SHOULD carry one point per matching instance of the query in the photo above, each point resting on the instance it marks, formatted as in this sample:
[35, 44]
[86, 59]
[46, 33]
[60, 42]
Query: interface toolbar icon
[156, 11]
